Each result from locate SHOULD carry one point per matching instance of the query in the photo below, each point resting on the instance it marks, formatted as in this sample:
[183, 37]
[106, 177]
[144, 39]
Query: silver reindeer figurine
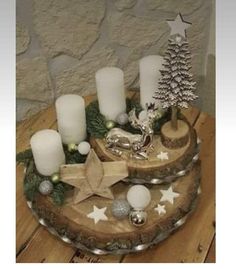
[118, 140]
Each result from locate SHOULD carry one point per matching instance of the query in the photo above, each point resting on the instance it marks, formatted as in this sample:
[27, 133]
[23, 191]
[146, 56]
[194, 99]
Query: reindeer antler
[150, 106]
[134, 121]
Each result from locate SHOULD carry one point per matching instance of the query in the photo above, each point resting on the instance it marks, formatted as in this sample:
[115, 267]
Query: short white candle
[71, 119]
[110, 92]
[149, 67]
[47, 151]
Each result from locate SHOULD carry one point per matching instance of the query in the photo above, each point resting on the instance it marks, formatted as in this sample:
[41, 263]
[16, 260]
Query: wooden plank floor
[194, 242]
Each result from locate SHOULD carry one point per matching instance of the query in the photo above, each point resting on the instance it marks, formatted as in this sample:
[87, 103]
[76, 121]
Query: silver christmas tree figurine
[176, 86]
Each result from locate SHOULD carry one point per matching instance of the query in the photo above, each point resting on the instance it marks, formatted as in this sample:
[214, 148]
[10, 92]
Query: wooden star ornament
[93, 177]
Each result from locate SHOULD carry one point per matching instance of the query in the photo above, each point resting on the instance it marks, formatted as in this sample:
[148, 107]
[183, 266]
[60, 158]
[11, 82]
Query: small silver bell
[138, 217]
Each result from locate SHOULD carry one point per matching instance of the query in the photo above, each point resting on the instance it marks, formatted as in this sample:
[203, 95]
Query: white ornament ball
[84, 148]
[139, 197]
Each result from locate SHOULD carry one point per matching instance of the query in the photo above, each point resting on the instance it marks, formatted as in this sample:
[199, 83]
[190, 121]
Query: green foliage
[32, 181]
[73, 157]
[58, 194]
[97, 128]
[33, 178]
[130, 104]
[96, 122]
[25, 156]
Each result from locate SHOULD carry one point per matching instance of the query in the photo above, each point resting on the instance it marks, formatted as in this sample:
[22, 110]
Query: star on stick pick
[178, 26]
[93, 177]
[98, 214]
[169, 195]
[163, 156]
[160, 209]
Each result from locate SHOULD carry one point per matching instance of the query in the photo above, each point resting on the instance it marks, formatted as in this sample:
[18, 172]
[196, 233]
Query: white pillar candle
[71, 119]
[47, 151]
[149, 67]
[110, 92]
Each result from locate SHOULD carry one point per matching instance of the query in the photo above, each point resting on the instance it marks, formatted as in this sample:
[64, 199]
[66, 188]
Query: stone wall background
[60, 44]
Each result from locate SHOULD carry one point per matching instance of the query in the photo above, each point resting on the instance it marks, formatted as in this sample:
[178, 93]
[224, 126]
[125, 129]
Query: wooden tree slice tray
[71, 224]
[154, 170]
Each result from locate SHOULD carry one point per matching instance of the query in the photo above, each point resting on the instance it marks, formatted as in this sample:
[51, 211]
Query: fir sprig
[33, 178]
[25, 156]
[96, 122]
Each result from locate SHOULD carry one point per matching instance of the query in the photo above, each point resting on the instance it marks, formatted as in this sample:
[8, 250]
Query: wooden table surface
[194, 242]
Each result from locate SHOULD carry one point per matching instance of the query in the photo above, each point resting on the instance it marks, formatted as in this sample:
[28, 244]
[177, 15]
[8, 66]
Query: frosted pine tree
[176, 86]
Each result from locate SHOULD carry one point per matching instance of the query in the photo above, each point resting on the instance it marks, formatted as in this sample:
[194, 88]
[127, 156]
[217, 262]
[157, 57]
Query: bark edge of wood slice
[175, 139]
[114, 235]
[147, 170]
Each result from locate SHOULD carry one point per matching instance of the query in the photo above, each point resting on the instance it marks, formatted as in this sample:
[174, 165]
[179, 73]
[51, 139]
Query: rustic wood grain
[27, 228]
[192, 114]
[85, 257]
[191, 242]
[44, 248]
[41, 246]
[26, 224]
[211, 255]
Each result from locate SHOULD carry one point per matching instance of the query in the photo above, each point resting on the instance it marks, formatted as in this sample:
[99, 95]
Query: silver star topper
[178, 26]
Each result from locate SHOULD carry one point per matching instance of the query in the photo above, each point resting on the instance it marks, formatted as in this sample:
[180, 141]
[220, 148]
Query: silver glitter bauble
[138, 217]
[120, 209]
[45, 187]
[122, 118]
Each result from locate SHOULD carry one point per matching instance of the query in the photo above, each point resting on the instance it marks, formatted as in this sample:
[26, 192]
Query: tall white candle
[71, 119]
[110, 92]
[149, 67]
[47, 151]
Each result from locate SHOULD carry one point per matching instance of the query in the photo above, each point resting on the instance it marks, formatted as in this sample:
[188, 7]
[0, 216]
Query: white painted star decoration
[163, 156]
[179, 26]
[169, 195]
[160, 209]
[98, 214]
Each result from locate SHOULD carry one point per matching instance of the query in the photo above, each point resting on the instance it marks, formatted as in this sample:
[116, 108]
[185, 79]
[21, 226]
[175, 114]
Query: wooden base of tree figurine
[172, 138]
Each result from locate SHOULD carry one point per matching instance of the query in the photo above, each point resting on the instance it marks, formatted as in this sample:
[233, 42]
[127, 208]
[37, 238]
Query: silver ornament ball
[120, 209]
[45, 187]
[122, 118]
[138, 217]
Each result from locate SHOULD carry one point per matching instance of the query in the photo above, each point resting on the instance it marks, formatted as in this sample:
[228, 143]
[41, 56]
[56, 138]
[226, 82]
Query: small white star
[178, 26]
[160, 209]
[163, 156]
[168, 195]
[97, 214]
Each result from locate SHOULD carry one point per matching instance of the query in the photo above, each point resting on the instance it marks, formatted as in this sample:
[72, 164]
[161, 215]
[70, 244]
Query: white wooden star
[97, 214]
[178, 26]
[160, 209]
[169, 195]
[163, 156]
